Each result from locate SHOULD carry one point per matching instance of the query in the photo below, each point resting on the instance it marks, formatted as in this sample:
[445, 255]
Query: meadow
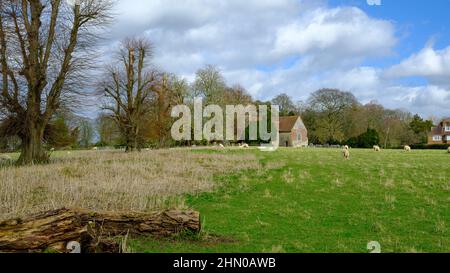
[291, 200]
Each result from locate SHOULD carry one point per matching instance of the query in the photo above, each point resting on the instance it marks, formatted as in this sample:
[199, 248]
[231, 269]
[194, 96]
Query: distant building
[440, 134]
[293, 132]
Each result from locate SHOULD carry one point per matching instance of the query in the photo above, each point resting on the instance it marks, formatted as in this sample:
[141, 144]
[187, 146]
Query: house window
[447, 128]
[299, 137]
[448, 138]
[437, 138]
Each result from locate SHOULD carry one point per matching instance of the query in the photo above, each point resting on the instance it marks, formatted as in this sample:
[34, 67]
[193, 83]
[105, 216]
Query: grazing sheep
[377, 148]
[244, 146]
[221, 146]
[346, 153]
[407, 148]
[448, 150]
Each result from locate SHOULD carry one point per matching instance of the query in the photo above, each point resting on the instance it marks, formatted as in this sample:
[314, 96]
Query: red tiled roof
[287, 123]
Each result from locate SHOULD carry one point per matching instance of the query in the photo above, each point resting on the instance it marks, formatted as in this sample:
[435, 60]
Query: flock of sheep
[345, 151]
[221, 146]
[376, 148]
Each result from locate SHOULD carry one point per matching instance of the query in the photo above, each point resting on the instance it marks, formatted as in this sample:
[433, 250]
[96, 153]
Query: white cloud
[429, 63]
[238, 34]
[428, 100]
[343, 32]
[252, 40]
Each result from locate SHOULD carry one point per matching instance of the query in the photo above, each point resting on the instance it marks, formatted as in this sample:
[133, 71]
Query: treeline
[65, 131]
[337, 117]
[136, 102]
[138, 99]
[331, 116]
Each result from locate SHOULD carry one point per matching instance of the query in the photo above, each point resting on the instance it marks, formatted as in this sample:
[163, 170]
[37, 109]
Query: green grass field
[311, 200]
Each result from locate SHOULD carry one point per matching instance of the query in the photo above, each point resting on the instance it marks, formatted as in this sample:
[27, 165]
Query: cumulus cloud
[429, 100]
[342, 32]
[238, 34]
[429, 63]
[291, 46]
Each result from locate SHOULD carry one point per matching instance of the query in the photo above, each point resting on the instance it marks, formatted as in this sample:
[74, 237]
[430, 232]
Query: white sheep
[407, 148]
[377, 148]
[448, 150]
[95, 149]
[346, 147]
[346, 153]
[221, 146]
[244, 146]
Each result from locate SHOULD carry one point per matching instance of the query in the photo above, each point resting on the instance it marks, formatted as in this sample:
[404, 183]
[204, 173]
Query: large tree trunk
[132, 139]
[32, 150]
[53, 230]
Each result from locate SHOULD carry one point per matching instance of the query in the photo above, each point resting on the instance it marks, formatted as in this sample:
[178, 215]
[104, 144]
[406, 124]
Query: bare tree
[331, 106]
[287, 106]
[209, 84]
[45, 48]
[127, 87]
[236, 95]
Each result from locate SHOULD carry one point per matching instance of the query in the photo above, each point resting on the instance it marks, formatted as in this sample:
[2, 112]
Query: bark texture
[53, 230]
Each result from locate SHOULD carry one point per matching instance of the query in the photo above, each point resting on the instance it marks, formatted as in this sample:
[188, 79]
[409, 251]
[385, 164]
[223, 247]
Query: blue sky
[397, 53]
[418, 22]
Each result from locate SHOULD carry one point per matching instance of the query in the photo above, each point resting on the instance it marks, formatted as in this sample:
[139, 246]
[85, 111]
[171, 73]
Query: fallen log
[53, 230]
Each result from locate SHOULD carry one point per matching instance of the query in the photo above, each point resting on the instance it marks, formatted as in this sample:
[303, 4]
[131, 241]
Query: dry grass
[105, 181]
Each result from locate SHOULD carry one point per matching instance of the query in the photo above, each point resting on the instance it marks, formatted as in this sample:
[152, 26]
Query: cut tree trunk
[53, 230]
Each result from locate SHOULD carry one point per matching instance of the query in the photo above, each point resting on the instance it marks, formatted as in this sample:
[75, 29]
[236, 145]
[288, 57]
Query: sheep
[377, 148]
[95, 149]
[244, 146]
[346, 153]
[221, 146]
[448, 150]
[346, 147]
[407, 148]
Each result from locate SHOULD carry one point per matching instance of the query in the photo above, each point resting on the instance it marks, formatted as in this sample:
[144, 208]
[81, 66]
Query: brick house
[293, 132]
[440, 134]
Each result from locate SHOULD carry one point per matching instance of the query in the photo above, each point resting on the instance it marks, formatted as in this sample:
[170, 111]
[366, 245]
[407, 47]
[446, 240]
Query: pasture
[291, 200]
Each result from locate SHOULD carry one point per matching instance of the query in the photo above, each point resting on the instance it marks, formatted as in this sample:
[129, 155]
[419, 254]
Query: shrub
[366, 140]
[430, 146]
